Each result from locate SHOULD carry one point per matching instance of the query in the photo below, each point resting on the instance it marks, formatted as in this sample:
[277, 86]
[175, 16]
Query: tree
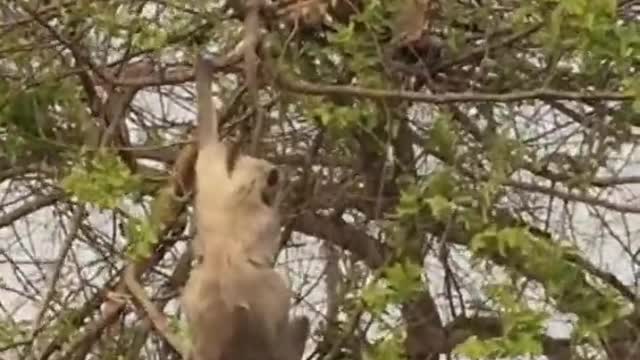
[461, 173]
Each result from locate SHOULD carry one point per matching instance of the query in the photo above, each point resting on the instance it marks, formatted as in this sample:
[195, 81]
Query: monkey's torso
[229, 211]
[236, 304]
[212, 301]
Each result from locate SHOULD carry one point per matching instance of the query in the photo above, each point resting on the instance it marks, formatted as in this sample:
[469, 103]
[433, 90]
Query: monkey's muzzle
[271, 187]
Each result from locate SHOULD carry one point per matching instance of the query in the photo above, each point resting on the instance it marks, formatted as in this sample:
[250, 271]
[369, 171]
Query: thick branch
[156, 317]
[308, 88]
[343, 235]
[29, 207]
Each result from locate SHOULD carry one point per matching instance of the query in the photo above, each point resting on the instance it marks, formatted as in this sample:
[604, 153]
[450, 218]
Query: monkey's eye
[273, 177]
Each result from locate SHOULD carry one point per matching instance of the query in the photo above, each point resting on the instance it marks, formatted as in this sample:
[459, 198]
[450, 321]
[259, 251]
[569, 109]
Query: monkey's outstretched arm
[251, 34]
[207, 114]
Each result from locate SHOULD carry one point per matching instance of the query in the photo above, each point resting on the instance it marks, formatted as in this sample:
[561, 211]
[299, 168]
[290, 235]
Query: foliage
[471, 165]
[102, 180]
[399, 283]
[142, 238]
[389, 347]
[522, 330]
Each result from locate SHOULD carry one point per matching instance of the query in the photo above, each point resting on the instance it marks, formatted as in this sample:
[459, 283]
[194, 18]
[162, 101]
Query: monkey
[236, 304]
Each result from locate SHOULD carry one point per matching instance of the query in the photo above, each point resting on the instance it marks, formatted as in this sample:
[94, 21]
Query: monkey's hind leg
[298, 332]
[249, 340]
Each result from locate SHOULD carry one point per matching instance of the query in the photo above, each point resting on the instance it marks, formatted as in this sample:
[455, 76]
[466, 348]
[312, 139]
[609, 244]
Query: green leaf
[405, 279]
[636, 105]
[486, 239]
[142, 238]
[443, 137]
[473, 348]
[104, 181]
[390, 347]
[522, 329]
[440, 207]
[375, 297]
[442, 183]
[410, 203]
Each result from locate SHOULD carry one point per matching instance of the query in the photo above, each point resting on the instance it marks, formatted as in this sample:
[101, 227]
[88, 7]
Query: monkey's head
[256, 182]
[252, 184]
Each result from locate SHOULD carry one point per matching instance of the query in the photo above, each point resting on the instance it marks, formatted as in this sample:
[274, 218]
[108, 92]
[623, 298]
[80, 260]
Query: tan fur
[236, 304]
[230, 212]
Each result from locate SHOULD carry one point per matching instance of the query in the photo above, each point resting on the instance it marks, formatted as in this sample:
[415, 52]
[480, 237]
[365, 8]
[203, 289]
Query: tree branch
[461, 328]
[342, 235]
[66, 246]
[29, 207]
[157, 318]
[304, 87]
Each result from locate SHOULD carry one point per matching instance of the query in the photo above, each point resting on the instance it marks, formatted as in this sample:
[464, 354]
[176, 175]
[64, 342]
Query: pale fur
[229, 210]
[236, 304]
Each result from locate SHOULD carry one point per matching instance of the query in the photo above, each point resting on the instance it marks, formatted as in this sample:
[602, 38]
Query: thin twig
[585, 199]
[76, 218]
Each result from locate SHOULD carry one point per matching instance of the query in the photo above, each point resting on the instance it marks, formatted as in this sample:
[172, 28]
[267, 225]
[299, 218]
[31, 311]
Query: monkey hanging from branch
[236, 304]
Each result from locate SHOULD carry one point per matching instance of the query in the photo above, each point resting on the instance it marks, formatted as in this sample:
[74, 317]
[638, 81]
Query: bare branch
[157, 318]
[76, 218]
[29, 207]
[304, 87]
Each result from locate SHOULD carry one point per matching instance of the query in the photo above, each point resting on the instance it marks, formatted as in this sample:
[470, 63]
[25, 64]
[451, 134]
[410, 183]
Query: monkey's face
[256, 182]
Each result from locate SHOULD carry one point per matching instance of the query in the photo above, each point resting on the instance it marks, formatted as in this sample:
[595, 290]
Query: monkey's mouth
[268, 197]
[270, 191]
